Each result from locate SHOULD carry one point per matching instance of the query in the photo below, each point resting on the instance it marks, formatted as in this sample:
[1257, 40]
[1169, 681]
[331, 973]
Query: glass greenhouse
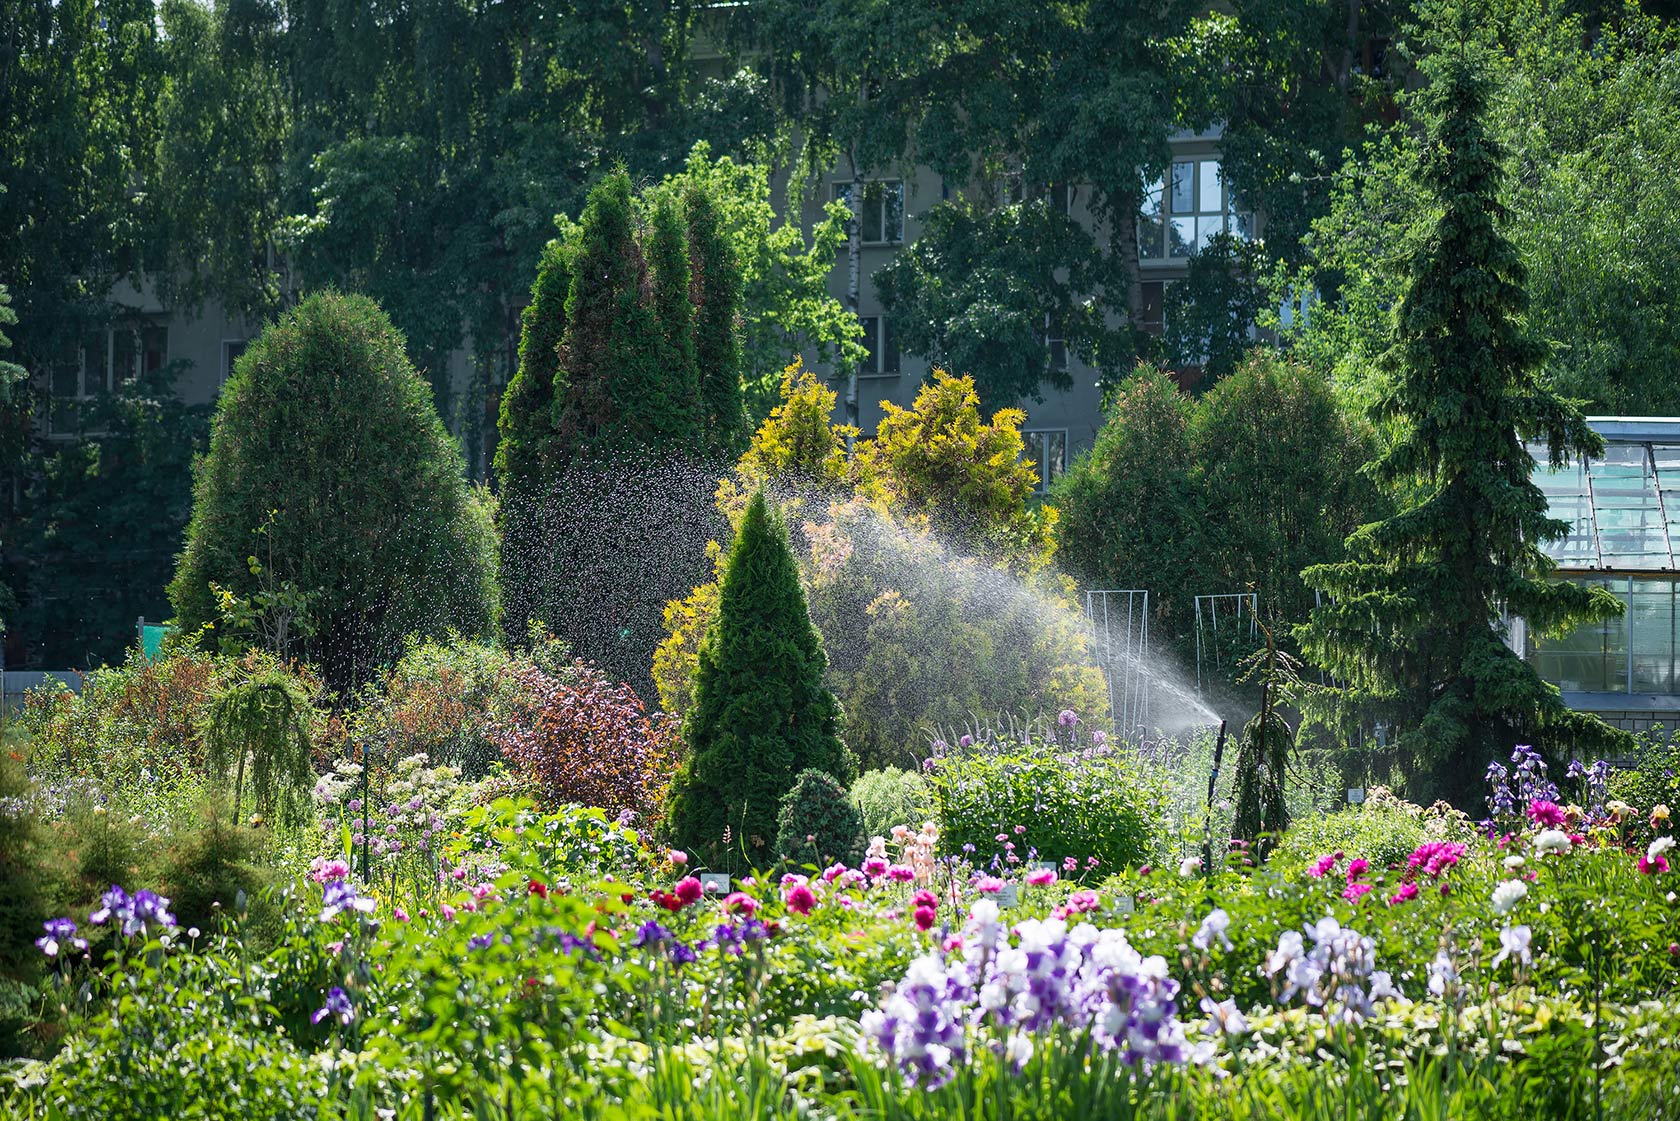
[1624, 514]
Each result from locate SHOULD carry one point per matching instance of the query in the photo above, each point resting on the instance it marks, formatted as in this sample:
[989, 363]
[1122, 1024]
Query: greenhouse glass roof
[1624, 507]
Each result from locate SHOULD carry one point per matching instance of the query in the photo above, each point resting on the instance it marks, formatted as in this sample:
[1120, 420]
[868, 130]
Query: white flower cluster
[1338, 975]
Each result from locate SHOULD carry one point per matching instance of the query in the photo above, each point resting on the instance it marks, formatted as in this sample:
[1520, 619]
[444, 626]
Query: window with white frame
[1046, 450]
[101, 365]
[881, 216]
[1181, 214]
[1151, 317]
[883, 348]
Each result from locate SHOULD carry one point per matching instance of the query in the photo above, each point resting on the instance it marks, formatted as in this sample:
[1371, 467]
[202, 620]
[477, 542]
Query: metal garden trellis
[1119, 620]
[1207, 624]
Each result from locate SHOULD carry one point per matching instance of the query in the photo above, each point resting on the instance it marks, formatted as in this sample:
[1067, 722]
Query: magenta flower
[1083, 901]
[875, 866]
[739, 902]
[689, 890]
[988, 885]
[1357, 868]
[1434, 858]
[1041, 877]
[1322, 866]
[1354, 892]
[1406, 893]
[1653, 866]
[925, 918]
[901, 873]
[1547, 815]
[800, 899]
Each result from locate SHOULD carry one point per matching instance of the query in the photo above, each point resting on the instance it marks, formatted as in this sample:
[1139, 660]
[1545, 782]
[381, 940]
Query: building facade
[1623, 509]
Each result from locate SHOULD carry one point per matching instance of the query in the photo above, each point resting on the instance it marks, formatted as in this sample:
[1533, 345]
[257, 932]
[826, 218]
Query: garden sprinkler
[1207, 819]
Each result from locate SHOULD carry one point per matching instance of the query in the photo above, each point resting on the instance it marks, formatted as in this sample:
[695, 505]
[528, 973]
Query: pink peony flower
[689, 890]
[677, 857]
[875, 866]
[1653, 867]
[833, 872]
[800, 899]
[739, 902]
[925, 918]
[901, 873]
[1434, 858]
[1041, 877]
[988, 885]
[1322, 866]
[1357, 868]
[1354, 892]
[925, 898]
[1547, 815]
[1084, 901]
[1406, 893]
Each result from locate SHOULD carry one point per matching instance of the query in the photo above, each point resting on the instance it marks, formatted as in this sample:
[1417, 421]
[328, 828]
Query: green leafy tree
[11, 374]
[818, 823]
[983, 288]
[1583, 106]
[925, 561]
[1414, 619]
[1210, 314]
[784, 307]
[100, 523]
[762, 713]
[325, 439]
[614, 393]
[1130, 493]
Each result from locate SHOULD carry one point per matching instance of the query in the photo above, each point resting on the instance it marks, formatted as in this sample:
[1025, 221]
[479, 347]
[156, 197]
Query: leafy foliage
[762, 713]
[403, 547]
[976, 290]
[818, 824]
[581, 737]
[1050, 800]
[1254, 480]
[924, 562]
[889, 797]
[1414, 623]
[264, 722]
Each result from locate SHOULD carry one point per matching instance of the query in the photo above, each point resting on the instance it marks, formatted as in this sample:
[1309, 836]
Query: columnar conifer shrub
[715, 288]
[584, 738]
[606, 414]
[761, 711]
[326, 440]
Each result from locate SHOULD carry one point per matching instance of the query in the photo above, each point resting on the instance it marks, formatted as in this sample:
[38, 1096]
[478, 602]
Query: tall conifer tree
[1414, 624]
[673, 311]
[761, 712]
[715, 288]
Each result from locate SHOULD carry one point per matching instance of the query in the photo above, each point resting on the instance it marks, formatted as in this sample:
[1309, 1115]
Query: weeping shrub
[890, 797]
[263, 724]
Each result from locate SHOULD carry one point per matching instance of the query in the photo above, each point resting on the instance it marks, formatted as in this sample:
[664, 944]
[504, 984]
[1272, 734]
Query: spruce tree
[1413, 622]
[715, 288]
[761, 711]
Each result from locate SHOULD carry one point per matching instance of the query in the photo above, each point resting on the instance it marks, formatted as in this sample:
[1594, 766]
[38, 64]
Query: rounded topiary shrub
[331, 518]
[890, 797]
[818, 824]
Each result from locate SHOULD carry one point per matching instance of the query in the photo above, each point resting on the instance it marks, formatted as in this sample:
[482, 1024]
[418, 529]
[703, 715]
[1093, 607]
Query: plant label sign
[715, 883]
[1356, 795]
[1009, 896]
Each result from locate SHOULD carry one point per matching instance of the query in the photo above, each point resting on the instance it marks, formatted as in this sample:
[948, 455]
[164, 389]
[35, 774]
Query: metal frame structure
[1119, 620]
[1207, 615]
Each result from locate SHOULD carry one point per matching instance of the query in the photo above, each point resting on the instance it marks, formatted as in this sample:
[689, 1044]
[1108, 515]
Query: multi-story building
[1181, 213]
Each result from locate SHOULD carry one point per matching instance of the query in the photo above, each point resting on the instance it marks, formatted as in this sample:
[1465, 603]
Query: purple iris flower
[60, 933]
[338, 1005]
